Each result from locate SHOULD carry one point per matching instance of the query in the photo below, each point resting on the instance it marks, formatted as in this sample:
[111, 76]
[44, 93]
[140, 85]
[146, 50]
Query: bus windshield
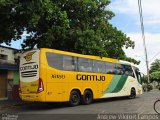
[138, 75]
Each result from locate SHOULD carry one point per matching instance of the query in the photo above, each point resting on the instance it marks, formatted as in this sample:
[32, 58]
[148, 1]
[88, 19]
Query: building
[9, 76]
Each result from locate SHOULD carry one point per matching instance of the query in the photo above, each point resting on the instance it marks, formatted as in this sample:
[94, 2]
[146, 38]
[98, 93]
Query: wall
[10, 55]
[9, 76]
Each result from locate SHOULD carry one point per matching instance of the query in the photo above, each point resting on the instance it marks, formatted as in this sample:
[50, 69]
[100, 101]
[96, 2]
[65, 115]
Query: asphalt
[141, 105]
[144, 100]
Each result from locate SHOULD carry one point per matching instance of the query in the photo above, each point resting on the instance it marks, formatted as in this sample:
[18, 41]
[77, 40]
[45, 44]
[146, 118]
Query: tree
[144, 79]
[155, 71]
[155, 76]
[79, 26]
[155, 66]
[7, 28]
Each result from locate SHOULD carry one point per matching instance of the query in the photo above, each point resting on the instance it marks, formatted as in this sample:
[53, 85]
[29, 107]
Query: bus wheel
[133, 93]
[87, 97]
[74, 98]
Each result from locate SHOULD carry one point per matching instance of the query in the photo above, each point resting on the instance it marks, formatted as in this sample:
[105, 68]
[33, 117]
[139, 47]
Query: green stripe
[116, 84]
[112, 84]
[120, 84]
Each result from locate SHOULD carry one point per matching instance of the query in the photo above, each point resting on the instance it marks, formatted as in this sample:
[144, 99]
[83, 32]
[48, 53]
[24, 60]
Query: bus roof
[127, 63]
[86, 56]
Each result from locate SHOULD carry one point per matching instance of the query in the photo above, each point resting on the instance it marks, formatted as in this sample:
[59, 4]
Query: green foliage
[149, 87]
[7, 28]
[155, 71]
[155, 76]
[155, 66]
[79, 26]
[144, 86]
[145, 79]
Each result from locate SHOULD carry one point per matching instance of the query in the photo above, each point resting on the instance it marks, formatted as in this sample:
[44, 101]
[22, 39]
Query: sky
[127, 20]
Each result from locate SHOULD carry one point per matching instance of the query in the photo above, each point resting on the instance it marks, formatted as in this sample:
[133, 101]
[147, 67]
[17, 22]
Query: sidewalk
[6, 104]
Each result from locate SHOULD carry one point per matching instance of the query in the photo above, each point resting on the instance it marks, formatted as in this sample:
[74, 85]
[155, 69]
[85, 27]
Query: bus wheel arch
[87, 96]
[75, 97]
[132, 93]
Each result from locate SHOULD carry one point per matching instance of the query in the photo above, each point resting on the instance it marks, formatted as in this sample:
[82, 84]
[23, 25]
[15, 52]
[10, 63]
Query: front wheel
[74, 98]
[87, 98]
[132, 93]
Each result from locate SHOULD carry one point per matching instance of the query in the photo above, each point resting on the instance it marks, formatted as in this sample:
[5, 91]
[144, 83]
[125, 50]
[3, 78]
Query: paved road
[142, 104]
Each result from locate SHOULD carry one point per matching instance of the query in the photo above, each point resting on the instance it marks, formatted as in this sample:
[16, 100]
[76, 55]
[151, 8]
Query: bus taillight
[19, 89]
[40, 86]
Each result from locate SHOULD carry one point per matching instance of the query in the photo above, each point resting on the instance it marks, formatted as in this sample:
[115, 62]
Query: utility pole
[143, 37]
[147, 69]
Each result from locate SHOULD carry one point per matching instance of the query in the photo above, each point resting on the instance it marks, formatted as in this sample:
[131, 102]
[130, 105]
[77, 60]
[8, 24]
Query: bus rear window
[55, 60]
[61, 62]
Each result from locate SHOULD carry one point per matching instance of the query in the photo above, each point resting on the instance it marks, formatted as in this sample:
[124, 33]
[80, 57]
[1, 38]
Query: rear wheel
[87, 98]
[74, 98]
[132, 93]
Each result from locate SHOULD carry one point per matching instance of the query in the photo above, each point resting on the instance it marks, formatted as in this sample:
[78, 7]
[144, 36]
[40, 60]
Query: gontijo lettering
[30, 67]
[90, 77]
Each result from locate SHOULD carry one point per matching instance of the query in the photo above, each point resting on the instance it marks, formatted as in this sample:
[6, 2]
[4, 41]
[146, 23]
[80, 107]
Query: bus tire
[87, 97]
[132, 93]
[74, 98]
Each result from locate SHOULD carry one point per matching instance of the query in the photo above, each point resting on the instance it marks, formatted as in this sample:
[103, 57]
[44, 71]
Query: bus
[49, 75]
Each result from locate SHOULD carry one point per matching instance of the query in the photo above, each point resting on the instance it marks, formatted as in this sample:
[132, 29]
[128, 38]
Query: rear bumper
[37, 97]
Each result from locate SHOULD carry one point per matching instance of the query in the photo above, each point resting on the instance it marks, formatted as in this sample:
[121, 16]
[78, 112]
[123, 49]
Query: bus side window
[110, 68]
[99, 66]
[69, 63]
[85, 65]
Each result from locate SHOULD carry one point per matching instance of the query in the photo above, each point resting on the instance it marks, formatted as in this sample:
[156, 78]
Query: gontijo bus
[49, 75]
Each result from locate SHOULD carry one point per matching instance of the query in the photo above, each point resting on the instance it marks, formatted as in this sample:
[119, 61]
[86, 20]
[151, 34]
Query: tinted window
[99, 66]
[62, 62]
[55, 60]
[110, 68]
[119, 69]
[85, 65]
[128, 71]
[69, 63]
